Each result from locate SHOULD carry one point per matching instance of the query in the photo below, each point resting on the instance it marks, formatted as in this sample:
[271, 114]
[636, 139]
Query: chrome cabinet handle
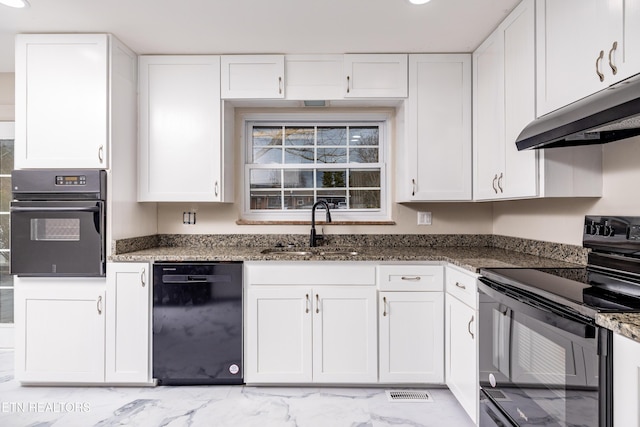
[495, 178]
[317, 304]
[412, 279]
[413, 184]
[600, 57]
[306, 303]
[469, 328]
[280, 85]
[614, 69]
[142, 281]
[461, 286]
[101, 153]
[384, 306]
[500, 181]
[348, 83]
[99, 304]
[215, 188]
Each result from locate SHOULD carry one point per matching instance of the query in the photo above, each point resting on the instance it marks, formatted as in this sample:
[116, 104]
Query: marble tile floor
[233, 406]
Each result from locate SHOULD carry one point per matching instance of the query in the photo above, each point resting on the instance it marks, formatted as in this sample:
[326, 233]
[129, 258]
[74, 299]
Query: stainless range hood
[609, 115]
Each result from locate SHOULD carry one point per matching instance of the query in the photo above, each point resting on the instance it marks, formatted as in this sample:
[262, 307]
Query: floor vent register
[408, 396]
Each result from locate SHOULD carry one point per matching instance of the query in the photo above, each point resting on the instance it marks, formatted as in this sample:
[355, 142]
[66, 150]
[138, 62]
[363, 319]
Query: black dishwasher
[197, 323]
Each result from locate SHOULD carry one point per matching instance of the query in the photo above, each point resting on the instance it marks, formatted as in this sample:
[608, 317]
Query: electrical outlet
[188, 218]
[424, 218]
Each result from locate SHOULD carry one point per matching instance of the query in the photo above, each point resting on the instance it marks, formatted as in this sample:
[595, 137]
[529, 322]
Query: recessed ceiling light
[419, 1]
[15, 3]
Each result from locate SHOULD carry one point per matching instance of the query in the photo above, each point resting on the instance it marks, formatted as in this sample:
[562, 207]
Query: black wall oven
[542, 358]
[58, 222]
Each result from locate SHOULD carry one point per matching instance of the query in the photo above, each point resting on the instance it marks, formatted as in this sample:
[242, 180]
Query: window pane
[332, 136]
[6, 156]
[331, 178]
[5, 269]
[298, 178]
[265, 178]
[364, 199]
[364, 178]
[6, 305]
[298, 199]
[267, 155]
[363, 155]
[337, 199]
[363, 135]
[266, 200]
[332, 155]
[298, 155]
[5, 193]
[267, 135]
[299, 136]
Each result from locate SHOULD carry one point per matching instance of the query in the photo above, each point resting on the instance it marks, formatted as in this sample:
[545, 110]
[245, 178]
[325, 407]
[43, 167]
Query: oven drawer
[462, 285]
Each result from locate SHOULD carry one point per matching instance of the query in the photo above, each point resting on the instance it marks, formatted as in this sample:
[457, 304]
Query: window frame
[296, 118]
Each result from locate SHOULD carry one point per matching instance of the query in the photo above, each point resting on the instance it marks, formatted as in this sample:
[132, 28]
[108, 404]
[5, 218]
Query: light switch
[424, 218]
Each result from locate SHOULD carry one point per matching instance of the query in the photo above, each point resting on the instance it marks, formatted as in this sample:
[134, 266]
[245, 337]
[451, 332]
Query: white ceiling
[262, 26]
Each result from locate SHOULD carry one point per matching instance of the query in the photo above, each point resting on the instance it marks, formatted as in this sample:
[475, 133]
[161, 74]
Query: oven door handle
[55, 209]
[531, 308]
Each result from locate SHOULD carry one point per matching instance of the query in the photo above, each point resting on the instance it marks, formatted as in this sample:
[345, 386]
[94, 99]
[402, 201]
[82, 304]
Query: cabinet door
[344, 335]
[488, 117]
[570, 36]
[411, 337]
[438, 152]
[61, 100]
[252, 76]
[520, 167]
[278, 335]
[461, 354]
[180, 132]
[128, 323]
[314, 77]
[60, 330]
[626, 57]
[375, 76]
[626, 381]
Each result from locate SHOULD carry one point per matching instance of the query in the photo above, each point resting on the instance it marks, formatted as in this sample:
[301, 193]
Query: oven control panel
[612, 233]
[71, 180]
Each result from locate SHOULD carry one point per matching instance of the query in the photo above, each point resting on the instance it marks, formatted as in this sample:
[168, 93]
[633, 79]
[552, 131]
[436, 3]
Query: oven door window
[58, 238]
[539, 369]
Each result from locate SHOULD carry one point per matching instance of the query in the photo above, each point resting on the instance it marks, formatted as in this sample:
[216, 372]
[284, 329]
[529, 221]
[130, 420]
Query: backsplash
[558, 251]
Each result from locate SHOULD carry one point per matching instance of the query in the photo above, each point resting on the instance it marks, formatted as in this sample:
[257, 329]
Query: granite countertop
[469, 258]
[625, 324]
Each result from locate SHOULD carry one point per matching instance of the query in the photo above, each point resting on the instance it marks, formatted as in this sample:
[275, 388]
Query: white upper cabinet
[435, 157]
[65, 86]
[314, 77]
[504, 103]
[182, 153]
[375, 75]
[252, 76]
[583, 47]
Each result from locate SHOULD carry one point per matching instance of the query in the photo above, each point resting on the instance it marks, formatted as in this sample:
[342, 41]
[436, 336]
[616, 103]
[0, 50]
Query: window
[291, 165]
[6, 280]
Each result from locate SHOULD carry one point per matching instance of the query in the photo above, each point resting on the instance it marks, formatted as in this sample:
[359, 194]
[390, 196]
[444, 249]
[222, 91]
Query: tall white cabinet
[66, 87]
[184, 153]
[435, 156]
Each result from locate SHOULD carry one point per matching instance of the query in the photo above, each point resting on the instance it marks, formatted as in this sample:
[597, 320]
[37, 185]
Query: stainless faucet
[314, 237]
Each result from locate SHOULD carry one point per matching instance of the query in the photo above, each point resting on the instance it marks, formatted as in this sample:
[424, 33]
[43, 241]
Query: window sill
[286, 222]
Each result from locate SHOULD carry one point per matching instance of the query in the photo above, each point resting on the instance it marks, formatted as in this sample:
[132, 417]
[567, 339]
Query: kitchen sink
[310, 252]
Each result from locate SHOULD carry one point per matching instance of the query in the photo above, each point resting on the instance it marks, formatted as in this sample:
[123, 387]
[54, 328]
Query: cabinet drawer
[410, 278]
[462, 285]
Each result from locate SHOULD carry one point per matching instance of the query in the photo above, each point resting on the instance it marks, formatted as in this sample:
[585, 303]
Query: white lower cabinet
[461, 344]
[411, 337]
[626, 381]
[305, 324]
[128, 309]
[60, 330]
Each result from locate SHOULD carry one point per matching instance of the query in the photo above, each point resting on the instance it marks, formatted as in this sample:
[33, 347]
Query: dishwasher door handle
[195, 278]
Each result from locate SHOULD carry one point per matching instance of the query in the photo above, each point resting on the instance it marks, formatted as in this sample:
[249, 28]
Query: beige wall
[561, 220]
[7, 97]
